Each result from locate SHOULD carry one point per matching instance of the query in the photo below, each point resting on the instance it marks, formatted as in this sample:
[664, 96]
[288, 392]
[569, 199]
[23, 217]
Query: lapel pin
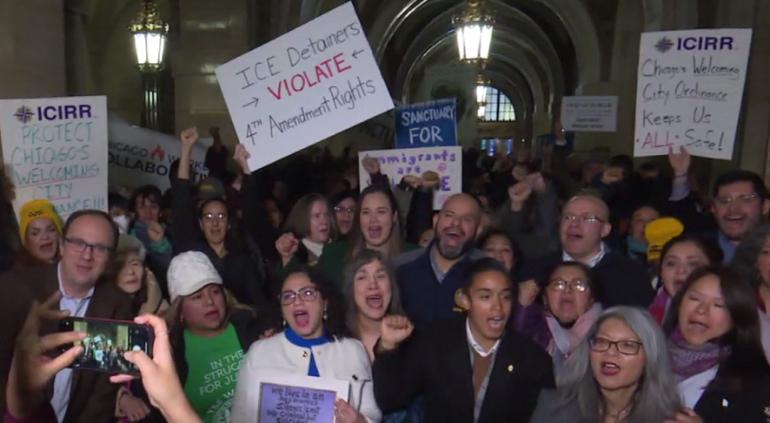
[510, 368]
[304, 354]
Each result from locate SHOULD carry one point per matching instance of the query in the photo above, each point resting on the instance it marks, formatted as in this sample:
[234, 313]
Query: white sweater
[344, 359]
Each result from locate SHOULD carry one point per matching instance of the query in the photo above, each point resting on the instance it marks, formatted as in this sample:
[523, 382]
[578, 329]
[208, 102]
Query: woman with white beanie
[210, 332]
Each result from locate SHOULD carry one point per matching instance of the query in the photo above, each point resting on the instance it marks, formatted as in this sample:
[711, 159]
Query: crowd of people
[615, 294]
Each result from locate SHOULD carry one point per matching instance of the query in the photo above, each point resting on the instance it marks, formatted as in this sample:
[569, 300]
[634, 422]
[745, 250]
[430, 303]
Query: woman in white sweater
[314, 342]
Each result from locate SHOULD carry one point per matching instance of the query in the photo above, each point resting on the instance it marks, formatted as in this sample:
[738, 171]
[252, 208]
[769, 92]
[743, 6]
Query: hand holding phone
[106, 342]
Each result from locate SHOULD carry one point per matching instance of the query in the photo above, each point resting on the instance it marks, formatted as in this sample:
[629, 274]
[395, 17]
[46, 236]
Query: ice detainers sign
[303, 86]
[431, 124]
[689, 91]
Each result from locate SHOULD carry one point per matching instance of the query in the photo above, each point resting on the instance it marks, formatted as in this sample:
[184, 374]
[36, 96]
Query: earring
[283, 322]
[325, 316]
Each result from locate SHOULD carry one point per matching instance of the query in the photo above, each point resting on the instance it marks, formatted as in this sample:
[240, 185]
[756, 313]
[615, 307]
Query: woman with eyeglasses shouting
[619, 373]
[315, 342]
[207, 225]
[568, 311]
[716, 355]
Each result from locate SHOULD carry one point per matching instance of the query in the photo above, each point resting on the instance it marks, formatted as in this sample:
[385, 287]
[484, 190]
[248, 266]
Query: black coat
[436, 364]
[750, 405]
[239, 268]
[618, 280]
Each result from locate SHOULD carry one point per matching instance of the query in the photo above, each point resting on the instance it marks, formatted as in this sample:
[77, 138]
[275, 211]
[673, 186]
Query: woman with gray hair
[619, 373]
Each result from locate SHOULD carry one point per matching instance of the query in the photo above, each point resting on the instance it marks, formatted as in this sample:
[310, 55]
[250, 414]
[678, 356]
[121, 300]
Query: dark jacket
[748, 405]
[423, 297]
[239, 268]
[618, 280]
[247, 328]
[436, 363]
[92, 397]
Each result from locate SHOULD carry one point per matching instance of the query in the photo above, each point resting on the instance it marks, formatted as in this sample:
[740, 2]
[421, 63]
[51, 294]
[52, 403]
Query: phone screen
[105, 343]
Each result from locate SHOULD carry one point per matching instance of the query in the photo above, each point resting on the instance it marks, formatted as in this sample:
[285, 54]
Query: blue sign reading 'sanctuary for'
[432, 124]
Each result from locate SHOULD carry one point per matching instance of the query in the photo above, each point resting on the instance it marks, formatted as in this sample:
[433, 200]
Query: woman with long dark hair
[375, 227]
[679, 257]
[713, 339]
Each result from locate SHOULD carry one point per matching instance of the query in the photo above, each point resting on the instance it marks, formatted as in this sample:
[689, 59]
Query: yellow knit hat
[658, 233]
[35, 209]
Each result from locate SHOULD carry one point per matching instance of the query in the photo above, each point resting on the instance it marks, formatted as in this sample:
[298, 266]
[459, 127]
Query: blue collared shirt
[63, 382]
[727, 246]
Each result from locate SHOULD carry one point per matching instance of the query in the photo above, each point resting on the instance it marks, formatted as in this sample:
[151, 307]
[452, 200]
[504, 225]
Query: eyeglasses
[214, 216]
[305, 294]
[743, 199]
[578, 285]
[347, 210]
[625, 347]
[586, 218]
[79, 246]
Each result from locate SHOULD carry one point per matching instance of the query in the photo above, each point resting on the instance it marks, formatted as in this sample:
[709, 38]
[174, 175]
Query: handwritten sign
[446, 161]
[303, 86]
[56, 149]
[431, 124]
[299, 399]
[139, 156]
[589, 113]
[689, 90]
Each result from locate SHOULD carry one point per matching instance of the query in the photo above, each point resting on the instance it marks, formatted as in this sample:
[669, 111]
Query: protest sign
[689, 90]
[303, 86]
[56, 149]
[431, 124]
[139, 156]
[293, 398]
[395, 164]
[589, 113]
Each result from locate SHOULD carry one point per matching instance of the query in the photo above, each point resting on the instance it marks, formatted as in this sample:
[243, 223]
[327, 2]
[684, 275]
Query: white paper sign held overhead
[689, 91]
[304, 86]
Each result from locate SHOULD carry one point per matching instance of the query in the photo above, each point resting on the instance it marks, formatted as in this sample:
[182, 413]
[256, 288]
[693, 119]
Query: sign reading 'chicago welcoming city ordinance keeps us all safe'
[303, 86]
[689, 90]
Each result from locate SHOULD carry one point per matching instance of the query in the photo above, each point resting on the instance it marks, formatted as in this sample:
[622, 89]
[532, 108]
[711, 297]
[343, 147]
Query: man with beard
[619, 280]
[740, 201]
[429, 282]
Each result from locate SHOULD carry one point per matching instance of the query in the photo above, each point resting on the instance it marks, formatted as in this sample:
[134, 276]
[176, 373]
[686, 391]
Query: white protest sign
[139, 156]
[303, 86]
[589, 113]
[290, 398]
[689, 91]
[56, 149]
[397, 163]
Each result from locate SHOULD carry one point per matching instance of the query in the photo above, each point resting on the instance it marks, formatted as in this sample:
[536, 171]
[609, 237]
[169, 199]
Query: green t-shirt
[214, 364]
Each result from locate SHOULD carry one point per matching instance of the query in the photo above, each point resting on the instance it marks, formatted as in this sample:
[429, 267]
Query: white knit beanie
[189, 272]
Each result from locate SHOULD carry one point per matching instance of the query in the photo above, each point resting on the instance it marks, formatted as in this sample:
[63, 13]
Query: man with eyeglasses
[584, 224]
[89, 238]
[740, 202]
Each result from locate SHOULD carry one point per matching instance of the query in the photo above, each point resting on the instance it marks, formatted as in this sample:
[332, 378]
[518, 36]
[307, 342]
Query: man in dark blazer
[89, 237]
[469, 369]
[619, 280]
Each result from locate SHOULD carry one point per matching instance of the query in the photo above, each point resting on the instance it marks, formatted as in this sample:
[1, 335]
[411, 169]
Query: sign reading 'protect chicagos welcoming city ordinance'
[56, 149]
[689, 90]
[303, 86]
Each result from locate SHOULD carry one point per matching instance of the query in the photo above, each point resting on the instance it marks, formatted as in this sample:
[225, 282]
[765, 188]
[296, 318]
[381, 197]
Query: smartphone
[106, 341]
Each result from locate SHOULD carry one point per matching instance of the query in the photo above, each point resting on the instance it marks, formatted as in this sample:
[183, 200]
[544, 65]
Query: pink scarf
[659, 305]
[565, 340]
